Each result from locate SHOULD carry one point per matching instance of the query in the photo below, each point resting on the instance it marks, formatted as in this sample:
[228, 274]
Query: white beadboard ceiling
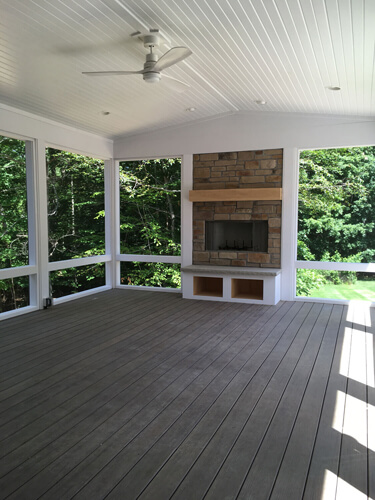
[286, 52]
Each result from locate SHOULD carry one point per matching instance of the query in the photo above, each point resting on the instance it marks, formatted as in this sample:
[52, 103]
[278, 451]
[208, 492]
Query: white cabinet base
[231, 284]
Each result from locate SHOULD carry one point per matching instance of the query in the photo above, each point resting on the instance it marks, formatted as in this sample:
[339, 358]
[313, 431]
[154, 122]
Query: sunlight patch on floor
[336, 488]
[354, 424]
[357, 359]
[346, 491]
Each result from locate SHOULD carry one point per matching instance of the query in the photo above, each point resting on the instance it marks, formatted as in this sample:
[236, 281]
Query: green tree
[336, 212]
[14, 250]
[75, 205]
[150, 207]
[150, 221]
[13, 204]
[75, 219]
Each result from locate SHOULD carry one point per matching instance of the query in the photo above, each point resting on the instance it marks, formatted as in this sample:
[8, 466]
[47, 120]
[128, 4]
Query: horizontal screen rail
[83, 261]
[166, 259]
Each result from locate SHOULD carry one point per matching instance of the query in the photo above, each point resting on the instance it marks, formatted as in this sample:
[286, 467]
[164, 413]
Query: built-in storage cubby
[247, 289]
[208, 286]
[231, 284]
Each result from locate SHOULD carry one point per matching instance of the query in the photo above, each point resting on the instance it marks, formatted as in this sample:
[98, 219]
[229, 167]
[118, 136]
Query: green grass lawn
[362, 290]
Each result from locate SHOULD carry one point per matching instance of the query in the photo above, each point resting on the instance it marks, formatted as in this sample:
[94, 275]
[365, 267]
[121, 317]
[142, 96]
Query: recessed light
[191, 110]
[333, 88]
[261, 102]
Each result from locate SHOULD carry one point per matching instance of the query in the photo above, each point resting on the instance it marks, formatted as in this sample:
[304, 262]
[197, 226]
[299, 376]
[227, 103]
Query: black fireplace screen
[237, 236]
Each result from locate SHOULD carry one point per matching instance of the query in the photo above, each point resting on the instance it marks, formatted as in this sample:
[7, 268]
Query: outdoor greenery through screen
[336, 220]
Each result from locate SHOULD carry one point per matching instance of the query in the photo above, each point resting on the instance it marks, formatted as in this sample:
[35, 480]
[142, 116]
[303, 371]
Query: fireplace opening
[238, 236]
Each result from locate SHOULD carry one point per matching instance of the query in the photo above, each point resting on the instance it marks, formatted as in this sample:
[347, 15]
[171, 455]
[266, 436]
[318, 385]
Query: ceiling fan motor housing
[151, 40]
[149, 75]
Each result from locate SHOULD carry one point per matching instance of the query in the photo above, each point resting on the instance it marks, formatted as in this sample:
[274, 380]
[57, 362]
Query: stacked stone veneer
[244, 169]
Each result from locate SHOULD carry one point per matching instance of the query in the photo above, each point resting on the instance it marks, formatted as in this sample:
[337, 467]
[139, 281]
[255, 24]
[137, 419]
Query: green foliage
[150, 207]
[13, 204]
[75, 205]
[150, 219]
[75, 219]
[336, 213]
[155, 274]
[77, 279]
[14, 249]
[308, 280]
[337, 203]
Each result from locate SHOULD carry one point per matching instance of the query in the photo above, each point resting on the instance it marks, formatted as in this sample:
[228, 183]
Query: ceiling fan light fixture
[151, 77]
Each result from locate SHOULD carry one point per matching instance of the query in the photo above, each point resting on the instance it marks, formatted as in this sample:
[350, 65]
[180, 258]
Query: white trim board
[21, 124]
[243, 132]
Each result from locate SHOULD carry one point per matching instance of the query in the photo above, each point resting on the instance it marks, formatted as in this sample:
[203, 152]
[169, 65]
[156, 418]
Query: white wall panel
[253, 132]
[250, 131]
[13, 121]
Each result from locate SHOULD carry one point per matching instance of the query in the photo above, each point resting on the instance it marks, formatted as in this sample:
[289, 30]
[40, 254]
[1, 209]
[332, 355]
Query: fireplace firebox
[238, 236]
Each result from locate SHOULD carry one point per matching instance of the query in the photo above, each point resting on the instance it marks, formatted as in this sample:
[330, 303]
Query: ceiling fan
[153, 66]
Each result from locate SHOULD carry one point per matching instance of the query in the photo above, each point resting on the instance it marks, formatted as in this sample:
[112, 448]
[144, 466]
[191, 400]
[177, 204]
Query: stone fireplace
[237, 233]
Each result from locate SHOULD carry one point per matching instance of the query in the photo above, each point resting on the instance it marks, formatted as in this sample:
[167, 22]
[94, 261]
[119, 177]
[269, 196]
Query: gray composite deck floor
[135, 394]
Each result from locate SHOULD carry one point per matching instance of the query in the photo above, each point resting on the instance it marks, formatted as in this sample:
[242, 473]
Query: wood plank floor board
[164, 411]
[370, 330]
[117, 334]
[93, 369]
[326, 453]
[59, 321]
[39, 440]
[137, 334]
[81, 310]
[200, 400]
[137, 394]
[38, 344]
[81, 471]
[353, 466]
[182, 372]
[91, 405]
[98, 381]
[291, 478]
[76, 337]
[112, 323]
[229, 419]
[273, 446]
[102, 335]
[234, 461]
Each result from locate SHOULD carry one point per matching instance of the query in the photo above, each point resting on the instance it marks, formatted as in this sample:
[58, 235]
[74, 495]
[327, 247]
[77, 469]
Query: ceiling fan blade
[173, 56]
[111, 73]
[174, 84]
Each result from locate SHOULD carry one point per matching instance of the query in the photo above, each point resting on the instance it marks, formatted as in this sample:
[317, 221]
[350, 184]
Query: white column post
[42, 221]
[110, 229]
[31, 176]
[186, 220]
[289, 223]
[116, 223]
[186, 210]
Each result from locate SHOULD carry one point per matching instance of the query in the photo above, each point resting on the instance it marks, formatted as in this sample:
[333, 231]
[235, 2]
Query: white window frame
[30, 270]
[318, 265]
[168, 259]
[83, 261]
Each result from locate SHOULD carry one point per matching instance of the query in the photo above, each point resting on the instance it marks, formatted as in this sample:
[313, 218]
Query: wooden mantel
[250, 194]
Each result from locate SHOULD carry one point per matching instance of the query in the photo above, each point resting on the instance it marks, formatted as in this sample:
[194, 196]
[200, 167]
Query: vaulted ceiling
[285, 52]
